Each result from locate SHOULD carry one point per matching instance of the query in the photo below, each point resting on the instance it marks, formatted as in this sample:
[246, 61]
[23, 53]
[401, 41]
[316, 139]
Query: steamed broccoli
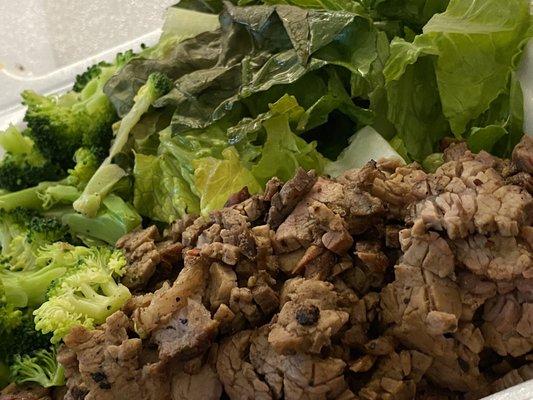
[28, 288]
[86, 295]
[91, 73]
[108, 174]
[41, 367]
[95, 70]
[23, 165]
[69, 189]
[62, 124]
[115, 219]
[22, 234]
[18, 335]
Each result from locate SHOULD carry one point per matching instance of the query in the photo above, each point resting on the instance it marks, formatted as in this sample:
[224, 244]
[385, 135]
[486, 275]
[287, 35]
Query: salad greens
[233, 94]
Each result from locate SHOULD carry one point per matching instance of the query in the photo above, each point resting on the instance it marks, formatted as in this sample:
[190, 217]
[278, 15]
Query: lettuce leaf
[160, 191]
[217, 179]
[283, 151]
[196, 171]
[461, 64]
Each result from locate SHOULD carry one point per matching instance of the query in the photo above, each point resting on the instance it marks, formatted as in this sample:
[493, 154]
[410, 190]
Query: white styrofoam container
[44, 44]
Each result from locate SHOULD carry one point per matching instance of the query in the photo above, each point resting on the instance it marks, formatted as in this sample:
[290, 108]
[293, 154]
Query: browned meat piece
[25, 392]
[409, 300]
[405, 186]
[265, 257]
[192, 232]
[209, 235]
[298, 376]
[392, 236]
[196, 385]
[363, 364]
[522, 179]
[253, 208]
[523, 154]
[175, 231]
[227, 253]
[261, 285]
[508, 326]
[235, 230]
[142, 255]
[169, 252]
[455, 151]
[284, 201]
[514, 377]
[224, 316]
[309, 318]
[370, 254]
[240, 380]
[317, 218]
[106, 364]
[396, 376]
[475, 200]
[421, 307]
[196, 380]
[336, 237]
[475, 290]
[361, 210]
[242, 302]
[238, 197]
[190, 283]
[188, 333]
[222, 280]
[496, 257]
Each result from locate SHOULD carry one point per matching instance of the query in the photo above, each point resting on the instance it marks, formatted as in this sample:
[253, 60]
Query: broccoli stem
[112, 222]
[28, 288]
[26, 198]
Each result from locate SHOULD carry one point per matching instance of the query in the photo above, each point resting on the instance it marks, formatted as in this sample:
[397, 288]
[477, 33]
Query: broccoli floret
[28, 288]
[69, 189]
[23, 165]
[92, 72]
[23, 233]
[62, 124]
[41, 367]
[86, 295]
[86, 165]
[108, 174]
[82, 117]
[18, 334]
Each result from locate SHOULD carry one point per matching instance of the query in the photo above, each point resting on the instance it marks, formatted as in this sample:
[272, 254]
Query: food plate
[47, 57]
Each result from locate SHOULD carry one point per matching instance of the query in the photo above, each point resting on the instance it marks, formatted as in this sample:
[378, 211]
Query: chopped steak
[514, 377]
[238, 376]
[189, 333]
[523, 154]
[497, 257]
[385, 283]
[309, 318]
[222, 280]
[142, 255]
[106, 364]
[284, 200]
[25, 392]
[297, 376]
[191, 282]
[238, 197]
[192, 384]
[508, 326]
